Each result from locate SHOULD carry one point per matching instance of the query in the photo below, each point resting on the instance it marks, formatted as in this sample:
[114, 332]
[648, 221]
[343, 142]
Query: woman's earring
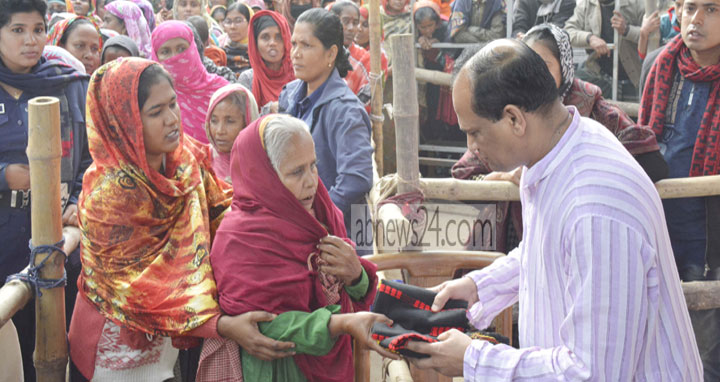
[330, 65]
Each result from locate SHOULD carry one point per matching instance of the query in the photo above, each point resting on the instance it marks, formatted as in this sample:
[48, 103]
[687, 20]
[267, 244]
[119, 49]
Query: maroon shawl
[653, 106]
[260, 254]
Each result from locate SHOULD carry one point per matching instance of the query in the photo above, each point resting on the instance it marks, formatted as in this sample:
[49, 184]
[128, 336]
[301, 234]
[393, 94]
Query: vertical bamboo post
[406, 113]
[44, 151]
[377, 87]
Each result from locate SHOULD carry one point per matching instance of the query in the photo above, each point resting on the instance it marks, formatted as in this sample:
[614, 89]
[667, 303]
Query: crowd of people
[212, 151]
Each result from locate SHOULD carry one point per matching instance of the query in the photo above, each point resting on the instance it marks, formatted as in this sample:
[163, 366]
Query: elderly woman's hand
[359, 326]
[339, 259]
[243, 329]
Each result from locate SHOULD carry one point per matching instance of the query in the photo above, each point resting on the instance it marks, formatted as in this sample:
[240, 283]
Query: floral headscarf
[193, 84]
[146, 234]
[135, 24]
[58, 30]
[148, 11]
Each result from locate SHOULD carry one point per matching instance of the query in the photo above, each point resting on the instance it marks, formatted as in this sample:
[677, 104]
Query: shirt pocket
[4, 121]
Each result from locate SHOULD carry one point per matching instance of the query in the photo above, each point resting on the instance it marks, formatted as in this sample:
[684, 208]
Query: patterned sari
[146, 234]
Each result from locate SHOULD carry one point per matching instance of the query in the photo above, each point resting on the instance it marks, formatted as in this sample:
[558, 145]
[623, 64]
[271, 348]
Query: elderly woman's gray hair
[280, 130]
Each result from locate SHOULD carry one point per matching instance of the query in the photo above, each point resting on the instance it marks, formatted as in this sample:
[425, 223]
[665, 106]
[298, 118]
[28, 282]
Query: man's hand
[339, 259]
[463, 288]
[359, 326]
[618, 23]
[17, 176]
[243, 329]
[446, 356]
[70, 216]
[512, 176]
[599, 46]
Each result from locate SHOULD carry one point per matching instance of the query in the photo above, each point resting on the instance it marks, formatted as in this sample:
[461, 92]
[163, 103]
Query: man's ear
[516, 119]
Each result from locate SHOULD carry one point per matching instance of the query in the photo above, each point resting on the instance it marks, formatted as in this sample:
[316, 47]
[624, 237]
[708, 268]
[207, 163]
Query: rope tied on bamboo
[375, 81]
[32, 276]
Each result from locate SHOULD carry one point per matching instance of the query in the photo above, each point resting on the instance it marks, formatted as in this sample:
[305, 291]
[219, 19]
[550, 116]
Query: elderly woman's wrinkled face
[172, 48]
[22, 40]
[298, 169]
[226, 121]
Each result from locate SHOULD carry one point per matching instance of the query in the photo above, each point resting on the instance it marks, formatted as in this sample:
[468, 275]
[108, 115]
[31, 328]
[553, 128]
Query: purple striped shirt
[599, 292]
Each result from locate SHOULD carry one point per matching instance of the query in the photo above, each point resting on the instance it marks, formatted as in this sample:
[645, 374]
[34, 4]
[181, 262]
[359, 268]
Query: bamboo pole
[44, 151]
[377, 81]
[468, 190]
[406, 112]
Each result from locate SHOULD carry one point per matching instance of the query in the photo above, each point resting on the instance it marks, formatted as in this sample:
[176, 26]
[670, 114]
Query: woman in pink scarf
[232, 108]
[173, 46]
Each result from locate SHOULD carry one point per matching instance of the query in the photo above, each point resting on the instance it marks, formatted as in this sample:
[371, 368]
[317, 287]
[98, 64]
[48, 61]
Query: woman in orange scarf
[149, 208]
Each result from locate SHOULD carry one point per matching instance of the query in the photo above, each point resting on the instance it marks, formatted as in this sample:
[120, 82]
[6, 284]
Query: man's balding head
[508, 72]
[508, 105]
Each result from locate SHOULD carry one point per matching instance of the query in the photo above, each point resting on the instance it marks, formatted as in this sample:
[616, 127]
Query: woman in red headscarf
[283, 249]
[269, 53]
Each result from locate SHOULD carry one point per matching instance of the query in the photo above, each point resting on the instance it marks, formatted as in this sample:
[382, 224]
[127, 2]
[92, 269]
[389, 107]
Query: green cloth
[359, 290]
[309, 332]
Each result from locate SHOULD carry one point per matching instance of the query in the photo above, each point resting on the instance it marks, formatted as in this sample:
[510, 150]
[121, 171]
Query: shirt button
[19, 122]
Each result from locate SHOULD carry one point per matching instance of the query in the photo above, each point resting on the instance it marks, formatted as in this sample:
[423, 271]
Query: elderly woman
[127, 19]
[231, 109]
[24, 74]
[283, 249]
[175, 48]
[339, 124]
[149, 209]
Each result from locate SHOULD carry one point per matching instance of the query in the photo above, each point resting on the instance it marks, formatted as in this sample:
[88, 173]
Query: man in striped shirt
[599, 293]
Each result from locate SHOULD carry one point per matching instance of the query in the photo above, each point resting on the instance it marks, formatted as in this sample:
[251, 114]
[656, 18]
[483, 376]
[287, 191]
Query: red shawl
[267, 83]
[260, 254]
[653, 106]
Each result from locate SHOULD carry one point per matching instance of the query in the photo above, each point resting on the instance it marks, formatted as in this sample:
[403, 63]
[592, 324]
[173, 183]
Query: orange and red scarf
[146, 235]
